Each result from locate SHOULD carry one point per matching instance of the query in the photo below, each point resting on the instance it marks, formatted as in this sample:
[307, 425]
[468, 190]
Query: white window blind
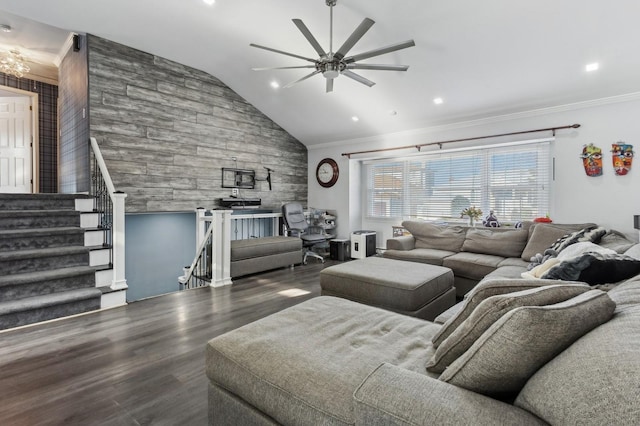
[511, 180]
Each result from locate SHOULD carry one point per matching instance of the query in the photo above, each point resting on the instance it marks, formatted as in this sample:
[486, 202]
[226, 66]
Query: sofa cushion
[302, 365]
[472, 265]
[501, 361]
[483, 290]
[594, 381]
[420, 255]
[432, 236]
[542, 235]
[506, 244]
[489, 311]
[595, 268]
[511, 271]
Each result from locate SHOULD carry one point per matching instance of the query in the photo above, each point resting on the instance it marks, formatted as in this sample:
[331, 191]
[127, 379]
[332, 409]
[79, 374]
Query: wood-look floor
[141, 364]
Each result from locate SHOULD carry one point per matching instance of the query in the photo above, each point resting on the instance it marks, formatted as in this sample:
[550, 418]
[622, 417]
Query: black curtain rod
[419, 146]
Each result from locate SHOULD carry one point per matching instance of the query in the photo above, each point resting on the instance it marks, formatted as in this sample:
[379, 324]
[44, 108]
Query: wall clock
[327, 172]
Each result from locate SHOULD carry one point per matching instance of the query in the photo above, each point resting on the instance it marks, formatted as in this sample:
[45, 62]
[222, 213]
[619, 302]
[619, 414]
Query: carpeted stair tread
[25, 213]
[17, 233]
[45, 252]
[38, 238]
[48, 300]
[40, 201]
[30, 277]
[24, 219]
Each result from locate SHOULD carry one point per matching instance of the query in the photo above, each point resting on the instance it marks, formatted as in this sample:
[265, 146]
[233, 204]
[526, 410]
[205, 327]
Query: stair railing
[109, 204]
[200, 273]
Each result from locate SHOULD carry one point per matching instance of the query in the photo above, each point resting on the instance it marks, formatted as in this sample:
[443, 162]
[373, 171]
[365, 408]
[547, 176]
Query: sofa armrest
[406, 242]
[392, 395]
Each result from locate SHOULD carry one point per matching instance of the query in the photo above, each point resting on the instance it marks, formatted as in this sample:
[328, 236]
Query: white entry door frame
[19, 141]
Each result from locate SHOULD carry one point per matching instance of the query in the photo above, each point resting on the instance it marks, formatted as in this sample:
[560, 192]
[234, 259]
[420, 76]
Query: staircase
[53, 260]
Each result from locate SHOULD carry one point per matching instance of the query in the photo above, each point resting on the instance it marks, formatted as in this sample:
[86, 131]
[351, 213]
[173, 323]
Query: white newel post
[201, 226]
[221, 248]
[119, 280]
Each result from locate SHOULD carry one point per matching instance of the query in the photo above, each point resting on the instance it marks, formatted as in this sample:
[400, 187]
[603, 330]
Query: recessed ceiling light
[393, 112]
[275, 84]
[209, 2]
[5, 28]
[592, 67]
[438, 101]
[354, 118]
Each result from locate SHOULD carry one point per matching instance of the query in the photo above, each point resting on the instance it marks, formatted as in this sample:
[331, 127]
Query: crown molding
[63, 50]
[628, 97]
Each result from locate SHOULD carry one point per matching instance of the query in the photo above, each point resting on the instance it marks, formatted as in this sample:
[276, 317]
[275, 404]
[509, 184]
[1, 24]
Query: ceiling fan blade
[381, 51]
[310, 38]
[283, 68]
[378, 67]
[302, 79]
[354, 38]
[358, 78]
[329, 85]
[282, 53]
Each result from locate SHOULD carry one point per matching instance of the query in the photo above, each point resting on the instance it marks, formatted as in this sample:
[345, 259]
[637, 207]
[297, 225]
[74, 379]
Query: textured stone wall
[167, 130]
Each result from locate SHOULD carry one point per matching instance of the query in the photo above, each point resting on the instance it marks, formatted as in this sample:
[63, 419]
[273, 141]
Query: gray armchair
[296, 225]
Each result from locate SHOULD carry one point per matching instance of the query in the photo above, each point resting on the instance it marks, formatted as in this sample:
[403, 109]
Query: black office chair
[296, 225]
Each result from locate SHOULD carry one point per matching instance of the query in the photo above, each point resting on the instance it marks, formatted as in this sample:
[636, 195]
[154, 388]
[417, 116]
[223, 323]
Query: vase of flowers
[472, 213]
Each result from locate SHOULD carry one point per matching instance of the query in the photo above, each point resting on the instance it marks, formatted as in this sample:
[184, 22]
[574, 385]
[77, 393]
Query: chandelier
[14, 63]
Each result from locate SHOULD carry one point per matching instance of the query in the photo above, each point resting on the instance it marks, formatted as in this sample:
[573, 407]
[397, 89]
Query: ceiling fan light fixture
[333, 64]
[331, 70]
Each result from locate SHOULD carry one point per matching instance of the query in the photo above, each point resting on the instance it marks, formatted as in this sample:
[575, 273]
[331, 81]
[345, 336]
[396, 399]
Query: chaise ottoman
[410, 288]
[262, 254]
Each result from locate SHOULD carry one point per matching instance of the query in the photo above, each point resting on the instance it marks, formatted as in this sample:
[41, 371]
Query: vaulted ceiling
[483, 58]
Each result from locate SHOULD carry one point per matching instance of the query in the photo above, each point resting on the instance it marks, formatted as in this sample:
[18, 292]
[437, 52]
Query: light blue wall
[158, 246]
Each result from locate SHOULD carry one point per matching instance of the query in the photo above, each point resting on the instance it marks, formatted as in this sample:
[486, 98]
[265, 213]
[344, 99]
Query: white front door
[15, 144]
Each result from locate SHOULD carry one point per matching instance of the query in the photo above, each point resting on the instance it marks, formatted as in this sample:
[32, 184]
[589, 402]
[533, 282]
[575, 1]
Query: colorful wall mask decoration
[622, 155]
[592, 160]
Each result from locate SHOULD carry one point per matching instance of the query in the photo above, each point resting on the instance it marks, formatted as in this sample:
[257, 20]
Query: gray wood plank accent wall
[73, 175]
[166, 131]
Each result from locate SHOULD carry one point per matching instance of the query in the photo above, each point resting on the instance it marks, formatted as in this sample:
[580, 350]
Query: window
[512, 180]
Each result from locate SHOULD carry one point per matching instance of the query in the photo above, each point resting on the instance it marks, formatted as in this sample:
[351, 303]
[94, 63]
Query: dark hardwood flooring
[141, 364]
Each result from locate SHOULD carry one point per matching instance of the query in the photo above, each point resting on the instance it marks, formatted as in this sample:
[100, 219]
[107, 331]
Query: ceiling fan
[332, 64]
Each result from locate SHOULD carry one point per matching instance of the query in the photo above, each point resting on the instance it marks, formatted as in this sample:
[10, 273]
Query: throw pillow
[633, 251]
[485, 289]
[432, 236]
[587, 234]
[541, 237]
[581, 248]
[499, 243]
[595, 268]
[501, 361]
[617, 241]
[489, 311]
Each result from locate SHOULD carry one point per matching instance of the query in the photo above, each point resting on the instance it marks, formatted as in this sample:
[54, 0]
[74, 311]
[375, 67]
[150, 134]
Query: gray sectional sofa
[475, 253]
[515, 351]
